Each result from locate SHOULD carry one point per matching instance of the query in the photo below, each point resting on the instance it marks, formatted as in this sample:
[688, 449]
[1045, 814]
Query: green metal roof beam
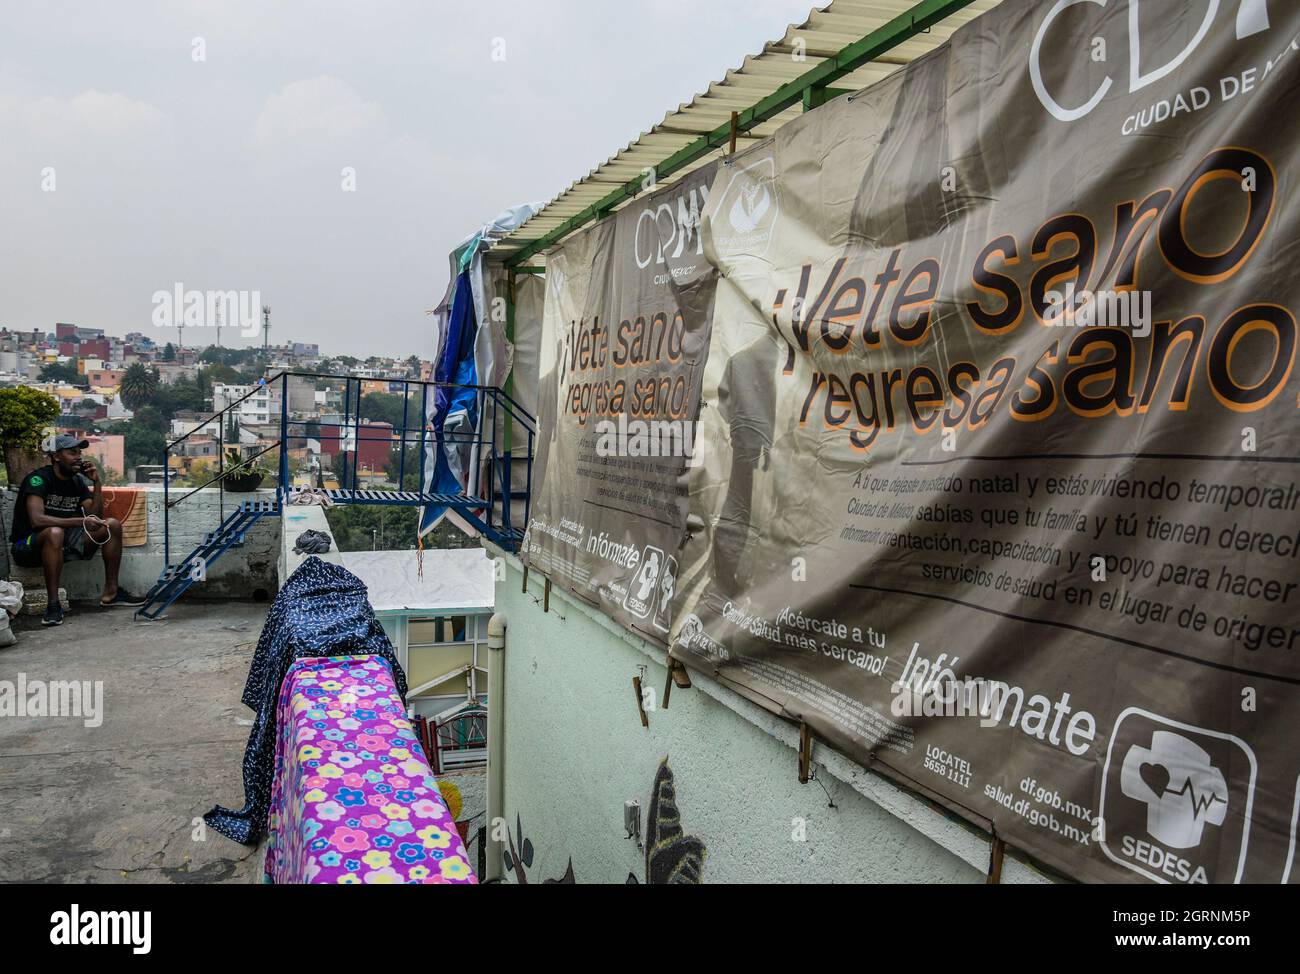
[906, 25]
[817, 97]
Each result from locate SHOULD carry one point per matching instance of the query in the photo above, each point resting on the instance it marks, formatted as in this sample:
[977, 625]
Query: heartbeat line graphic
[1200, 803]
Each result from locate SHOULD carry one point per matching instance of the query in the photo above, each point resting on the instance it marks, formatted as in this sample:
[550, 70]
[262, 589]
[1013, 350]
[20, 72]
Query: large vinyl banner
[1000, 441]
[625, 334]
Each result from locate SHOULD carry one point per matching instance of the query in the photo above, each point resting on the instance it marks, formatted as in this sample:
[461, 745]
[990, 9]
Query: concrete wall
[244, 572]
[575, 751]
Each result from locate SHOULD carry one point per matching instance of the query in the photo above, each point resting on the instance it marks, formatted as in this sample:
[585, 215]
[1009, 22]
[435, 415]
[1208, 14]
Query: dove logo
[750, 204]
[1170, 812]
[747, 212]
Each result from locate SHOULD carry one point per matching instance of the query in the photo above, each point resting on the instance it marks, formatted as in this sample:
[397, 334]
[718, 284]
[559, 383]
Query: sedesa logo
[665, 231]
[1251, 19]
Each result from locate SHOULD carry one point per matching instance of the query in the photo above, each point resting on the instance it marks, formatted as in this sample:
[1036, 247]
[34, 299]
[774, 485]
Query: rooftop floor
[119, 802]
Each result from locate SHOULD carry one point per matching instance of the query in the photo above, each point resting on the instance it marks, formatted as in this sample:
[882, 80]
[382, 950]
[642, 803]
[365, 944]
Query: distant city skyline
[155, 143]
[205, 336]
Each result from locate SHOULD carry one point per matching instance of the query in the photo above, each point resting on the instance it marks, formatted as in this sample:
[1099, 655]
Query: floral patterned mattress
[353, 799]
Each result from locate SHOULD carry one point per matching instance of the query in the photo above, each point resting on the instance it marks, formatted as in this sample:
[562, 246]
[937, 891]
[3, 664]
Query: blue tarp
[455, 410]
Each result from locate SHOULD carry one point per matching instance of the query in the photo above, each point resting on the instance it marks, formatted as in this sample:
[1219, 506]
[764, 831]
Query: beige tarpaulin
[627, 322]
[999, 481]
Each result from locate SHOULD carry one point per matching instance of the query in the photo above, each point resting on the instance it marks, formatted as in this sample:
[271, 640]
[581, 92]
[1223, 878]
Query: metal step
[175, 580]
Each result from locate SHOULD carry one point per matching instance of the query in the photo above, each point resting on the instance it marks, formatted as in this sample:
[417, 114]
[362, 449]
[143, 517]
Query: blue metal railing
[485, 497]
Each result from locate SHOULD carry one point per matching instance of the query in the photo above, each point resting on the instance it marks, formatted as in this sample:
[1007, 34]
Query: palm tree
[139, 386]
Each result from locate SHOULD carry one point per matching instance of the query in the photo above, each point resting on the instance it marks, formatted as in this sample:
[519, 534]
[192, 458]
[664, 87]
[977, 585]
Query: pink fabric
[353, 798]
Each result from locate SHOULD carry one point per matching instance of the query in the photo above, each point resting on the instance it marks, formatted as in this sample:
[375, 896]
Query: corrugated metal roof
[802, 48]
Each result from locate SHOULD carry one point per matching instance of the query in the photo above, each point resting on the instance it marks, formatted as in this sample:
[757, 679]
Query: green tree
[169, 353]
[231, 357]
[410, 475]
[361, 527]
[141, 444]
[226, 375]
[183, 394]
[63, 372]
[383, 407]
[139, 386]
[25, 414]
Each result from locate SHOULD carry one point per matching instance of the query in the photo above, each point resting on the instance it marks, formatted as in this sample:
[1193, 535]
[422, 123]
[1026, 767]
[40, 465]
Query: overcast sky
[225, 173]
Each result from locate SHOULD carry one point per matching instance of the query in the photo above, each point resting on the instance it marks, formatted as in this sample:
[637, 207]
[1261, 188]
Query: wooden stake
[735, 119]
[676, 674]
[805, 752]
[995, 861]
[525, 588]
[640, 706]
[546, 597]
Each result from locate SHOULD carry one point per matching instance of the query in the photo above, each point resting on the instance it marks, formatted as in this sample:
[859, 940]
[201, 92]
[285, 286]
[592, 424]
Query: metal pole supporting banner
[167, 532]
[284, 439]
[401, 449]
[356, 441]
[424, 425]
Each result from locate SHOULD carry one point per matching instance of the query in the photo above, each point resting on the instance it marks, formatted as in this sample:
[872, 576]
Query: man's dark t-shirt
[63, 498]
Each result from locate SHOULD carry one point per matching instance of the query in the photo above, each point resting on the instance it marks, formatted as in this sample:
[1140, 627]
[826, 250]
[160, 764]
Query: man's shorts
[27, 552]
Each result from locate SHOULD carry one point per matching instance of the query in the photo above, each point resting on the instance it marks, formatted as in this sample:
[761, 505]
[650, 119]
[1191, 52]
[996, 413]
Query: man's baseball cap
[66, 442]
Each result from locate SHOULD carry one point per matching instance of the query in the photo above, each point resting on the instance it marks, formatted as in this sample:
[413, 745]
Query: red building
[376, 440]
[95, 348]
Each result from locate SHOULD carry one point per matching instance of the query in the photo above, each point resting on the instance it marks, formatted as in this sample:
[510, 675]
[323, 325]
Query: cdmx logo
[665, 231]
[1251, 18]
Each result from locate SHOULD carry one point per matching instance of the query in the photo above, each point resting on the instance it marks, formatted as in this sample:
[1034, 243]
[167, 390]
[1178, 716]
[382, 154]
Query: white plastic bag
[11, 597]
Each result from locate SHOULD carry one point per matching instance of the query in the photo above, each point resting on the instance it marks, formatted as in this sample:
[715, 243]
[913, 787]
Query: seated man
[58, 517]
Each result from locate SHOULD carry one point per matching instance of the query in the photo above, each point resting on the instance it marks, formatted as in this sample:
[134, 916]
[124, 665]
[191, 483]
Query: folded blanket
[354, 800]
[322, 610]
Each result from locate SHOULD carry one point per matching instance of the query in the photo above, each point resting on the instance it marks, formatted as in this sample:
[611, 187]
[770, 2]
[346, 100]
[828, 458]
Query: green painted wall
[575, 751]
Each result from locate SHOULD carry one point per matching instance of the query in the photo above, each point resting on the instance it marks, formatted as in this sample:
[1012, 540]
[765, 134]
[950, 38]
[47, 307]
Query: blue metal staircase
[496, 515]
[176, 579]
